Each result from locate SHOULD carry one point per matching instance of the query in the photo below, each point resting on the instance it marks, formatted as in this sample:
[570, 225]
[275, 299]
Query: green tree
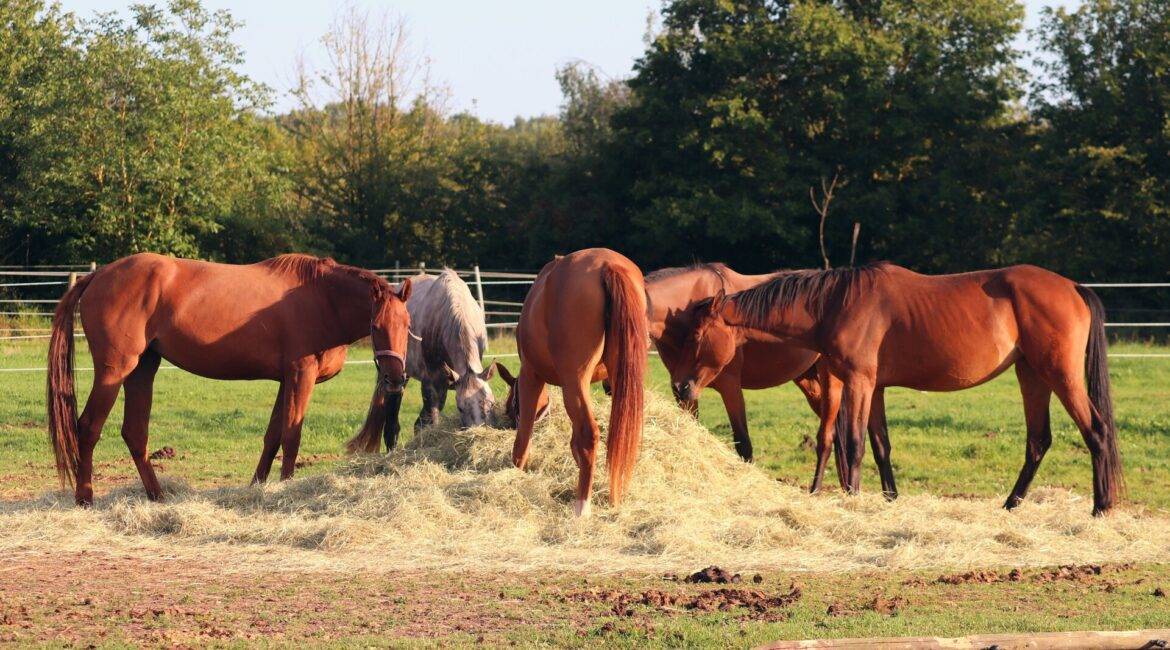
[742, 106]
[1100, 194]
[138, 135]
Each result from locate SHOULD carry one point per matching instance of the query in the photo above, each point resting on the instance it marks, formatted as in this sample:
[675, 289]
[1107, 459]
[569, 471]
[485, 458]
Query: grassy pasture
[969, 443]
[961, 444]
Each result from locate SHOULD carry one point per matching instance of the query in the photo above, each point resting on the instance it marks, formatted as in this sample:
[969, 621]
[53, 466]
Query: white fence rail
[500, 293]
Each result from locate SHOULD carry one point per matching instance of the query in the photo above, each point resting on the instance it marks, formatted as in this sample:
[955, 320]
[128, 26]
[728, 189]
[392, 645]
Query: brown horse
[289, 319]
[584, 320]
[883, 325]
[756, 361]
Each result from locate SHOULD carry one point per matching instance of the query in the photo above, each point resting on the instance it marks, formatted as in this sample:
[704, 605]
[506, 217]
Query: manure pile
[452, 500]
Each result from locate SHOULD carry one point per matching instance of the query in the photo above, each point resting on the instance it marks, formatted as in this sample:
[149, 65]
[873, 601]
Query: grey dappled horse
[448, 353]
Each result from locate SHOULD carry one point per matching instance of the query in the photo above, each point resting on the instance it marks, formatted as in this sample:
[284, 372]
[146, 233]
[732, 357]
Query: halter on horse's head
[390, 334]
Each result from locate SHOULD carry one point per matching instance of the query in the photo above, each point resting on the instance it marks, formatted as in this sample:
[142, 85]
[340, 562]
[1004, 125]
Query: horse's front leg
[271, 438]
[434, 393]
[299, 381]
[857, 398]
[391, 428]
[731, 390]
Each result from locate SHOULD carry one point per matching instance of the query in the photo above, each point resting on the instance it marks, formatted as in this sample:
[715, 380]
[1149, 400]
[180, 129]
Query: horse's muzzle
[395, 387]
[685, 391]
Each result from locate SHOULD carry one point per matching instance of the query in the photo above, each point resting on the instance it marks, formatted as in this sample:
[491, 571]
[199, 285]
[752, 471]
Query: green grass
[967, 443]
[964, 443]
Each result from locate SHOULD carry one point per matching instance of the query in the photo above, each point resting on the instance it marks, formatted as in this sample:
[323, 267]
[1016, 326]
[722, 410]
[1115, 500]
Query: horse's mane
[670, 272]
[818, 289]
[308, 268]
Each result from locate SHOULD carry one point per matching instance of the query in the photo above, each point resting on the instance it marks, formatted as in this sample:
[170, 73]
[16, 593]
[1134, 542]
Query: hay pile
[452, 500]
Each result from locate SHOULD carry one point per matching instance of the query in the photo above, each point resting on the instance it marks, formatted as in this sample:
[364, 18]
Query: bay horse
[584, 320]
[884, 325]
[448, 355]
[756, 362]
[288, 319]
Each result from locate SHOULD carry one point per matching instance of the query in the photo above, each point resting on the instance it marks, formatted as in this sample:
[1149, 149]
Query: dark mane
[670, 272]
[818, 289]
[308, 268]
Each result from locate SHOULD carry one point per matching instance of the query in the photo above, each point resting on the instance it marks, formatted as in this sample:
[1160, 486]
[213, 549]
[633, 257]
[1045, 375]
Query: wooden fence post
[72, 278]
[479, 288]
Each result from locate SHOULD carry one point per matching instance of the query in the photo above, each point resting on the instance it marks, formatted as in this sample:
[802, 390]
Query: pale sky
[496, 58]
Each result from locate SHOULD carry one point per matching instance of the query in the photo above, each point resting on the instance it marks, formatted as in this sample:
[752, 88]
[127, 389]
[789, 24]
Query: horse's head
[390, 334]
[512, 404]
[696, 345]
[473, 394]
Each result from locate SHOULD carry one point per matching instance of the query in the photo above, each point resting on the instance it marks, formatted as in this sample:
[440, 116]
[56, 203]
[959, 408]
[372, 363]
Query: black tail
[1112, 482]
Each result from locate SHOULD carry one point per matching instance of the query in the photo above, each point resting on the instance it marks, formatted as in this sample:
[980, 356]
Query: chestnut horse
[584, 320]
[289, 319]
[756, 361]
[884, 325]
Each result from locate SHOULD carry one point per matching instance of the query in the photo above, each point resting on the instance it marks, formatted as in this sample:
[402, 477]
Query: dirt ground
[99, 599]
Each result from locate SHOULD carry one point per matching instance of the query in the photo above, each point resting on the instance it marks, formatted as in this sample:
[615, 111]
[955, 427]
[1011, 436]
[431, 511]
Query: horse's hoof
[582, 508]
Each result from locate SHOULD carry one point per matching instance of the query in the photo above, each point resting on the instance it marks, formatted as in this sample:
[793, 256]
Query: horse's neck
[793, 324]
[351, 300]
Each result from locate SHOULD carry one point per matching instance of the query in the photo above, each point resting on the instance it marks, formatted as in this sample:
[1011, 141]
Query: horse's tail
[1101, 395]
[369, 439]
[626, 338]
[61, 395]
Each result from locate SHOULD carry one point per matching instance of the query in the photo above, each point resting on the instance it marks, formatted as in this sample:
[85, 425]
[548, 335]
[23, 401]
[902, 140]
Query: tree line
[743, 123]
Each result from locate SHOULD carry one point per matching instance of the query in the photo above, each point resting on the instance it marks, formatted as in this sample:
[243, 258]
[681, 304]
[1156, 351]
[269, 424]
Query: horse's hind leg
[584, 441]
[1037, 397]
[879, 438]
[271, 438]
[1071, 390]
[300, 384]
[108, 377]
[136, 421]
[830, 404]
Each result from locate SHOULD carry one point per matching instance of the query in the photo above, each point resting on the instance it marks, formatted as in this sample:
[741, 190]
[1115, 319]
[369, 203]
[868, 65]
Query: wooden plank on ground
[1132, 640]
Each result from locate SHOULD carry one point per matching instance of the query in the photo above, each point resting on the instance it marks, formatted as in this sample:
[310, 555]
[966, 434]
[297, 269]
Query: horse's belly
[767, 364]
[215, 362]
[330, 363]
[949, 372]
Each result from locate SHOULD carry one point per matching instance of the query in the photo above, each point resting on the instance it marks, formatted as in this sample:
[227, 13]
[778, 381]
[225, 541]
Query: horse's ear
[404, 290]
[717, 303]
[487, 375]
[505, 374]
[452, 376]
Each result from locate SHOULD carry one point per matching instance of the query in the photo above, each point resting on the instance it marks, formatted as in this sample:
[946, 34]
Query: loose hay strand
[451, 500]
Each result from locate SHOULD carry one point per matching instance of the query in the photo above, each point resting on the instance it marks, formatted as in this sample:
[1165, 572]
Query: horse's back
[953, 331]
[563, 320]
[217, 320]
